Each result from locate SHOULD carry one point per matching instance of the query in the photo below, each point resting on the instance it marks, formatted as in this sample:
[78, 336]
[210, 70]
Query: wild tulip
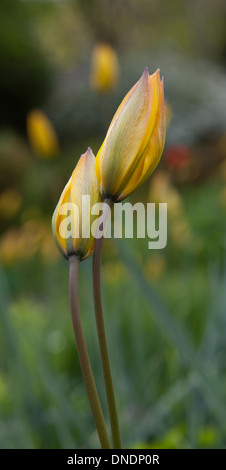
[135, 139]
[83, 182]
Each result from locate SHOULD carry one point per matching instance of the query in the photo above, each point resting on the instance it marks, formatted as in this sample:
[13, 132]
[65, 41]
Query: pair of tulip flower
[129, 154]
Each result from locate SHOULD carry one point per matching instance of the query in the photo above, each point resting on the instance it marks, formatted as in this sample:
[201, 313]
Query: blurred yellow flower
[104, 72]
[10, 202]
[155, 266]
[22, 243]
[114, 271]
[135, 139]
[83, 182]
[48, 248]
[162, 190]
[19, 243]
[41, 134]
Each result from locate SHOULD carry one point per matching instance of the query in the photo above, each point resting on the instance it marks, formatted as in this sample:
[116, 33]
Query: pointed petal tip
[145, 75]
[145, 72]
[89, 152]
[156, 76]
[158, 72]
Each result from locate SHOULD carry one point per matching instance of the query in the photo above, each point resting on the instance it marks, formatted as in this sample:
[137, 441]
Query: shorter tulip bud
[135, 139]
[72, 233]
[41, 134]
[104, 68]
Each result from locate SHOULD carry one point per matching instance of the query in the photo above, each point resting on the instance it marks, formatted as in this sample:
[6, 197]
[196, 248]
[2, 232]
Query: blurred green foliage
[165, 310]
[165, 318]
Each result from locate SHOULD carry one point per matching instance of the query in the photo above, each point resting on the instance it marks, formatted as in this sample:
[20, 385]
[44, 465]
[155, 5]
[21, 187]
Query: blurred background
[65, 67]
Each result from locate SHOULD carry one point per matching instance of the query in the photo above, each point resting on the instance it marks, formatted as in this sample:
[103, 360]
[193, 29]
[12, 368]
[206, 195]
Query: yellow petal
[156, 143]
[152, 153]
[61, 242]
[84, 183]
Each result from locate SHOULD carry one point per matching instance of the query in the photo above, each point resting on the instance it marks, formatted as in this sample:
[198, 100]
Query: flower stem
[103, 338]
[83, 354]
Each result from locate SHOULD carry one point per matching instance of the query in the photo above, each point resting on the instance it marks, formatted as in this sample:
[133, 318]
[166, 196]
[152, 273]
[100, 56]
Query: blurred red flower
[177, 156]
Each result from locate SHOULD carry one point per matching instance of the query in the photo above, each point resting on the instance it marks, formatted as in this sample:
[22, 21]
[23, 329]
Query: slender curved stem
[83, 354]
[103, 338]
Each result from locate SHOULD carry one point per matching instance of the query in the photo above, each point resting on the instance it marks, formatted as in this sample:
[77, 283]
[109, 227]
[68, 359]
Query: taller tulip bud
[78, 240]
[135, 139]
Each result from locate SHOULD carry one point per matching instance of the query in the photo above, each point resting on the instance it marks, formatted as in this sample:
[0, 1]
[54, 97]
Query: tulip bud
[104, 68]
[135, 139]
[78, 240]
[41, 134]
